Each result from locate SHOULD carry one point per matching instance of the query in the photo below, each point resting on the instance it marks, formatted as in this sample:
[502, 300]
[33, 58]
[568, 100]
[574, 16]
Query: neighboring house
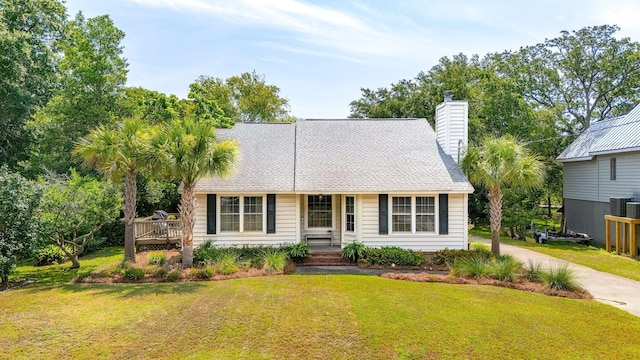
[384, 182]
[603, 162]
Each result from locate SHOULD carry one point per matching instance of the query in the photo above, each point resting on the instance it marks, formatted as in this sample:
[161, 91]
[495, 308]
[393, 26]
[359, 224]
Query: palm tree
[189, 151]
[118, 153]
[497, 163]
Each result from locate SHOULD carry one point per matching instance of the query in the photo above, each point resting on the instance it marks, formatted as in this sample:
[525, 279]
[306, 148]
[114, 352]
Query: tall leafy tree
[151, 106]
[73, 208]
[497, 163]
[585, 75]
[246, 97]
[29, 30]
[94, 73]
[120, 153]
[188, 150]
[19, 221]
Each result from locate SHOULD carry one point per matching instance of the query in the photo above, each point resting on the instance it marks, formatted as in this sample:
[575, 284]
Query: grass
[590, 256]
[56, 274]
[304, 316]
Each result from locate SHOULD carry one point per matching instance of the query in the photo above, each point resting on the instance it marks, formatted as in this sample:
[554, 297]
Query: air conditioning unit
[618, 206]
[633, 210]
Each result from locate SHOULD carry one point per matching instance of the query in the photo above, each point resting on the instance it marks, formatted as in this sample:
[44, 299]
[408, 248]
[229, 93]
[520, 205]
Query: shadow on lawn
[123, 290]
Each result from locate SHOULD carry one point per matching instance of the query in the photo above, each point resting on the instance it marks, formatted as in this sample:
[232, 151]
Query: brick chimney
[452, 122]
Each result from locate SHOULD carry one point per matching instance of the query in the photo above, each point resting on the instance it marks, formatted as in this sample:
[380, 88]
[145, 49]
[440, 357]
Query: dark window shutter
[211, 213]
[271, 213]
[383, 214]
[443, 216]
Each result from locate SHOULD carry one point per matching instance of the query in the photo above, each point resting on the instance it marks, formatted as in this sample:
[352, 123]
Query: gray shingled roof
[615, 135]
[266, 160]
[341, 156]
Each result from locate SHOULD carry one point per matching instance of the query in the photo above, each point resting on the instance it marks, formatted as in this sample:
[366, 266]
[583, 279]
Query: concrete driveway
[607, 288]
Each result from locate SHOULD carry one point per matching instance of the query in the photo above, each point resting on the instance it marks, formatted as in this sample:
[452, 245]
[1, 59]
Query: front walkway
[607, 288]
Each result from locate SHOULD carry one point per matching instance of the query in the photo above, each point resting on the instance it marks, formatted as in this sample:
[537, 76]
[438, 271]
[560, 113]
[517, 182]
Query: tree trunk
[75, 264]
[129, 216]
[495, 214]
[187, 210]
[549, 207]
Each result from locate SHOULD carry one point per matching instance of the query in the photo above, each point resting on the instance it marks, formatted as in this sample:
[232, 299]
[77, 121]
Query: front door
[319, 224]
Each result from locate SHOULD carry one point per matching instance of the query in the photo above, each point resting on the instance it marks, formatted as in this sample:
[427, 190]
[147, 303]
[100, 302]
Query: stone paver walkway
[607, 288]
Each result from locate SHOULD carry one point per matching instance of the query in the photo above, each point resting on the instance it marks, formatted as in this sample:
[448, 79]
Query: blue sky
[320, 53]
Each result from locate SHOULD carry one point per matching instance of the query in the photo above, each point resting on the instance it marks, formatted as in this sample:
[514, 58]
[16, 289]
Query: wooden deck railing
[157, 231]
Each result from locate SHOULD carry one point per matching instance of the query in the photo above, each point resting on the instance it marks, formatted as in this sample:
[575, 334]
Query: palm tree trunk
[495, 218]
[187, 210]
[129, 216]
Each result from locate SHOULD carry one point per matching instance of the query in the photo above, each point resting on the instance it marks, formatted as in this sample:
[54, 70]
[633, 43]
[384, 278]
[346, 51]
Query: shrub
[133, 273]
[560, 278]
[353, 250]
[297, 251]
[226, 263]
[204, 251]
[204, 273]
[157, 258]
[174, 275]
[50, 254]
[448, 256]
[161, 272]
[112, 233]
[107, 271]
[505, 268]
[388, 255]
[473, 267]
[274, 260]
[534, 271]
[253, 253]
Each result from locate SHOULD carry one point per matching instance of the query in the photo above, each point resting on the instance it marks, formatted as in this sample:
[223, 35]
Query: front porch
[327, 220]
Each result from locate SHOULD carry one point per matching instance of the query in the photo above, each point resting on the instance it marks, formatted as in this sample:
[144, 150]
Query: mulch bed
[520, 284]
[435, 268]
[429, 273]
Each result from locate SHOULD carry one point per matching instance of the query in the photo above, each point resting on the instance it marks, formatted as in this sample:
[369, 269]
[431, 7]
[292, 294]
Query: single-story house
[602, 163]
[384, 182]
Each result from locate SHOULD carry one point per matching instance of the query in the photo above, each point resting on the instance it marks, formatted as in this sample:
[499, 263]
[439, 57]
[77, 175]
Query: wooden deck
[625, 234]
[157, 232]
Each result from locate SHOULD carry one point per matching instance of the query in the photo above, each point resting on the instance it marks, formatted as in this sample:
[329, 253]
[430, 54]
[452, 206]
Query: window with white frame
[413, 214]
[350, 213]
[229, 213]
[241, 213]
[425, 213]
[319, 209]
[401, 214]
[252, 213]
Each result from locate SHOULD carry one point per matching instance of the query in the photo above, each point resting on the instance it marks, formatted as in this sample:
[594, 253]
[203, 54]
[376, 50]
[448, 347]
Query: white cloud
[308, 25]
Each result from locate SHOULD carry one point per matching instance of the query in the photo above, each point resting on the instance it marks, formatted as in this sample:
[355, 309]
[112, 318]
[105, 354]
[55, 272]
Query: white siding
[456, 239]
[285, 225]
[627, 183]
[580, 180]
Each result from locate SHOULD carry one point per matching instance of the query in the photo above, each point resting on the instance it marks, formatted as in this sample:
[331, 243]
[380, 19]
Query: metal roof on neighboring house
[340, 156]
[609, 136]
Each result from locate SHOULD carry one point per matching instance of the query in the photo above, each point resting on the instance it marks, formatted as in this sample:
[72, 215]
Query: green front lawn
[590, 256]
[56, 274]
[304, 317]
